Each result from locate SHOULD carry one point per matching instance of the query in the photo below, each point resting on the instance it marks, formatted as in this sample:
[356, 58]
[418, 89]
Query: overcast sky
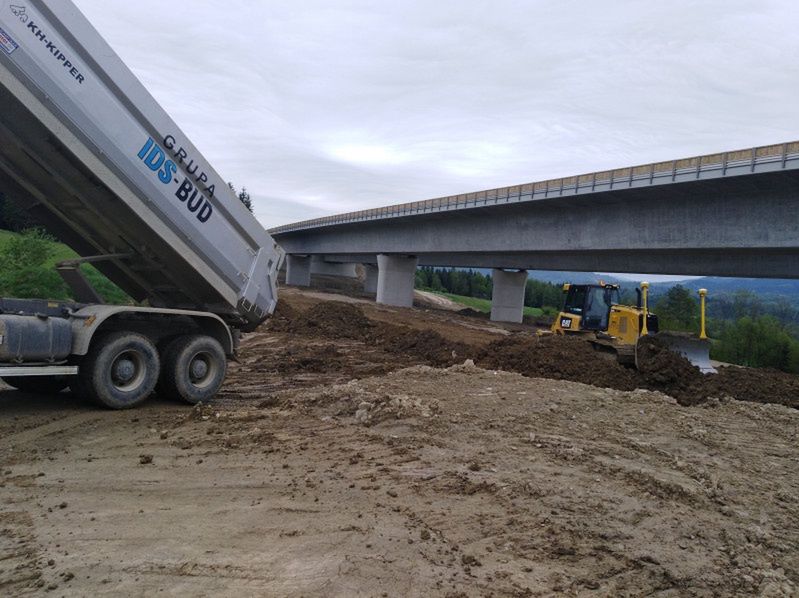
[320, 107]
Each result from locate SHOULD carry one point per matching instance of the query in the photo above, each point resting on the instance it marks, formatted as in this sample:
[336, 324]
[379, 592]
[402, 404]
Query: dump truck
[595, 312]
[91, 155]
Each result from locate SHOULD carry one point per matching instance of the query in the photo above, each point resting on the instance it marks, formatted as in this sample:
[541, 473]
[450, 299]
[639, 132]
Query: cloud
[321, 107]
[365, 154]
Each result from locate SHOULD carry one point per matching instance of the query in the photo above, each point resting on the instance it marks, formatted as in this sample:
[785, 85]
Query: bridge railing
[654, 173]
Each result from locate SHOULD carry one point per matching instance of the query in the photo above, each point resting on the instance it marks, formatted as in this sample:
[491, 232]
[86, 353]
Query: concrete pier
[298, 270]
[507, 299]
[395, 279]
[370, 282]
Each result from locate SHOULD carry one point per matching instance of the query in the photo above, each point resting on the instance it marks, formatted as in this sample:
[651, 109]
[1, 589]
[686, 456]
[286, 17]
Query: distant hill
[767, 289]
[559, 277]
[556, 277]
[762, 286]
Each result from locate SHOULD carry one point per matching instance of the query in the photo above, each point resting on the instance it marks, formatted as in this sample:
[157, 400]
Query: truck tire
[120, 370]
[194, 369]
[44, 385]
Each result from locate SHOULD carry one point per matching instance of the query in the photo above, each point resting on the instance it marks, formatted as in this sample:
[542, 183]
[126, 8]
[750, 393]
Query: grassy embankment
[484, 305]
[59, 252]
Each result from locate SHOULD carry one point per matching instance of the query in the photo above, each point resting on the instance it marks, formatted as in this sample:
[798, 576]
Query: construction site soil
[525, 352]
[364, 450]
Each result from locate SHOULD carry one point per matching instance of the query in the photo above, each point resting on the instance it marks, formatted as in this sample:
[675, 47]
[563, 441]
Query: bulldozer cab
[592, 304]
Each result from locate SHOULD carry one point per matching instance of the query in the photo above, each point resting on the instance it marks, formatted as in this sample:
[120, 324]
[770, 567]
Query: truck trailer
[91, 155]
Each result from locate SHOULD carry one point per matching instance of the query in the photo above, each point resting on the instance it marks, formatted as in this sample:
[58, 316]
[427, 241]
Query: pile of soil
[328, 319]
[666, 371]
[554, 357]
[427, 345]
[319, 358]
[335, 320]
[473, 313]
[557, 357]
[541, 321]
[756, 385]
[568, 358]
[282, 318]
[661, 369]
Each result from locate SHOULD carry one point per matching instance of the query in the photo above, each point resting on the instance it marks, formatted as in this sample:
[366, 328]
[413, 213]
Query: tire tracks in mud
[20, 561]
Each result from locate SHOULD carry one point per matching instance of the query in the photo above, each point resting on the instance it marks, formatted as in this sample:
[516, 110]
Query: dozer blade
[694, 349]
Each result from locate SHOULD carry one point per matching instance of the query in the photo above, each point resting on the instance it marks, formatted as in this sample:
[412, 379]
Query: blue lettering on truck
[155, 158]
[193, 168]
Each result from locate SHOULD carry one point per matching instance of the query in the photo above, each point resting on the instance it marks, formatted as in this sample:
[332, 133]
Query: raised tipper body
[89, 152]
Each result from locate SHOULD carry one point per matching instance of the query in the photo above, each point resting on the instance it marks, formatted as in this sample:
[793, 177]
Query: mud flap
[694, 349]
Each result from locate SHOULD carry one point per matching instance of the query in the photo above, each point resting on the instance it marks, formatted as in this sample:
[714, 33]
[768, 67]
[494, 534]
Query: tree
[678, 310]
[746, 303]
[543, 294]
[13, 217]
[761, 341]
[480, 286]
[436, 284]
[243, 195]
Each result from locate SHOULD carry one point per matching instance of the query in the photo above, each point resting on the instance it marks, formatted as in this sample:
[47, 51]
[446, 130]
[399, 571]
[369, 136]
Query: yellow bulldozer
[595, 311]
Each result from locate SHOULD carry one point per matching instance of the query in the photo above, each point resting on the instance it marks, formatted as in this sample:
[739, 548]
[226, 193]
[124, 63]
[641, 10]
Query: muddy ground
[393, 338]
[338, 462]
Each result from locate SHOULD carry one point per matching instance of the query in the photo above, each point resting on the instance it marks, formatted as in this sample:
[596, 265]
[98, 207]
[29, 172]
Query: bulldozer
[594, 311]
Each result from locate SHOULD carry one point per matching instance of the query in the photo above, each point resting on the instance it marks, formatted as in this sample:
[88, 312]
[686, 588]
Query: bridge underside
[723, 262]
[743, 226]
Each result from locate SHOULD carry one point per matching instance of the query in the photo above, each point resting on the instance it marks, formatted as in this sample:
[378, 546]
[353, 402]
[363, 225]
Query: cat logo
[565, 322]
[19, 11]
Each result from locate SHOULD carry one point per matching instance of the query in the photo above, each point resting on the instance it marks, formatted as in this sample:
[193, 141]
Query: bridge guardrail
[604, 180]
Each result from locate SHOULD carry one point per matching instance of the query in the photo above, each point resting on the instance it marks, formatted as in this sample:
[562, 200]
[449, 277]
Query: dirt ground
[337, 462]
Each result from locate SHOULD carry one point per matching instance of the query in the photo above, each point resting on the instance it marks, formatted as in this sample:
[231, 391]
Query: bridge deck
[735, 163]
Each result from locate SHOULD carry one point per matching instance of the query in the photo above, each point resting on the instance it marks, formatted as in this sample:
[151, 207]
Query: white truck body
[94, 156]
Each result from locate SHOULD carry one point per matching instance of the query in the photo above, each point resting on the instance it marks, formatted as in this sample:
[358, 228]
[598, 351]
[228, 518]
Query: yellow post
[702, 295]
[644, 289]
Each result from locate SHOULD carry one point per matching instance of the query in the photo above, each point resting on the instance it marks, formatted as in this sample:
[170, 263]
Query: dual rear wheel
[194, 368]
[122, 369]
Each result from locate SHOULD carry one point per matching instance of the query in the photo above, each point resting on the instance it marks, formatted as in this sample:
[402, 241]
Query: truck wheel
[45, 385]
[194, 369]
[120, 370]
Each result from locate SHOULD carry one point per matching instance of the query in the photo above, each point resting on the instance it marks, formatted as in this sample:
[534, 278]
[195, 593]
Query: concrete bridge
[727, 214]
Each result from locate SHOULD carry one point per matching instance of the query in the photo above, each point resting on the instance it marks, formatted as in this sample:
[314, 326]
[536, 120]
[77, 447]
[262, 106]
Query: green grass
[5, 235]
[484, 305]
[60, 252]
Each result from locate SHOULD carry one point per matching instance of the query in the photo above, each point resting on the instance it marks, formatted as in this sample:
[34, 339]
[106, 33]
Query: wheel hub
[124, 371]
[198, 369]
